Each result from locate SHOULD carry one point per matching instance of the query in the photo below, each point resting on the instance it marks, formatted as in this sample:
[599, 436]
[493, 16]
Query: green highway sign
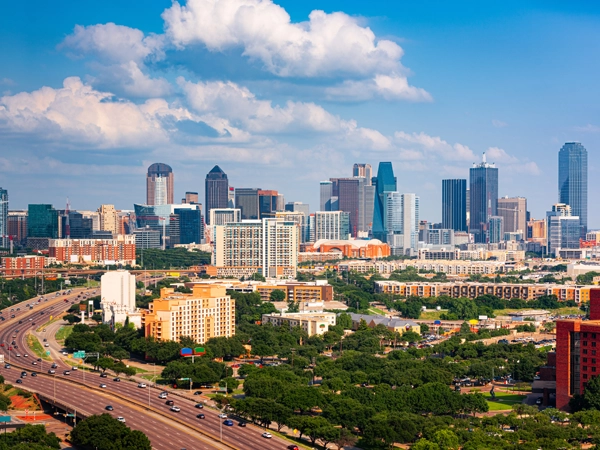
[4, 418]
[48, 353]
[79, 355]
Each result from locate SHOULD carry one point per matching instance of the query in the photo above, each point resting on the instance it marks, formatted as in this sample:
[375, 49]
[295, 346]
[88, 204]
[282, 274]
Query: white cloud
[498, 123]
[589, 128]
[435, 145]
[129, 79]
[114, 43]
[78, 113]
[7, 82]
[389, 87]
[495, 154]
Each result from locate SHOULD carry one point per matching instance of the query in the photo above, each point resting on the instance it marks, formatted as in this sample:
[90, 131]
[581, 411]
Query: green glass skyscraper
[573, 181]
[42, 222]
[385, 181]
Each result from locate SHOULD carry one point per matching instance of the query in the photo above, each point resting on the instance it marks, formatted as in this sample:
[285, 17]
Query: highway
[141, 407]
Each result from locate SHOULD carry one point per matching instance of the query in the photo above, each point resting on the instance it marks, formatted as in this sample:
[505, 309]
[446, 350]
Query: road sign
[47, 352]
[79, 355]
[4, 418]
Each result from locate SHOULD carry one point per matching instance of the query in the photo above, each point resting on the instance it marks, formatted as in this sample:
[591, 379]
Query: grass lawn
[54, 319]
[36, 347]
[377, 311]
[503, 401]
[560, 311]
[64, 332]
[432, 315]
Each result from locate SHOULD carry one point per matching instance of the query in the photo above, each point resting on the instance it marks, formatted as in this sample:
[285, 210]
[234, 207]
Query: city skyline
[85, 116]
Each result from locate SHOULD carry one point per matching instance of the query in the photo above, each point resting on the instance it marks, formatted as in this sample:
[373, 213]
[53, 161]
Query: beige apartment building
[445, 266]
[311, 323]
[205, 313]
[108, 218]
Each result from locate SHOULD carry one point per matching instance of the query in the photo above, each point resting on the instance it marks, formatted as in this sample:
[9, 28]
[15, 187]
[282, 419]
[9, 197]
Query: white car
[65, 353]
[222, 416]
[175, 408]
[141, 385]
[121, 419]
[18, 354]
[26, 355]
[162, 395]
[46, 345]
[267, 435]
[102, 385]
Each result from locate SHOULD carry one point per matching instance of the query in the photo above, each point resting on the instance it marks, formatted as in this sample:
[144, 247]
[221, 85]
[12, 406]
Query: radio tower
[67, 225]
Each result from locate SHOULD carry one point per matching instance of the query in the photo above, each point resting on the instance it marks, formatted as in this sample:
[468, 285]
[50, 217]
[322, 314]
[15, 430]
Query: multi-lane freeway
[141, 407]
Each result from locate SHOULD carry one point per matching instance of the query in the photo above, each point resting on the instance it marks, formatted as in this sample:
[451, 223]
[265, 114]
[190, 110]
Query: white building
[222, 216]
[311, 322]
[270, 246]
[117, 297]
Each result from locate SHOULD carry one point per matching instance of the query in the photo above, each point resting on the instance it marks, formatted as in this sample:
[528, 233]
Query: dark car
[54, 366]
[200, 416]
[19, 381]
[109, 408]
[33, 374]
[169, 402]
[199, 405]
[23, 374]
[116, 379]
[228, 423]
[241, 424]
[292, 447]
[198, 393]
[103, 375]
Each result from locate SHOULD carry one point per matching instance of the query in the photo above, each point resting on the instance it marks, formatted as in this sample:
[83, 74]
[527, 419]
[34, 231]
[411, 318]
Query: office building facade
[385, 181]
[514, 212]
[483, 187]
[191, 228]
[495, 229]
[109, 219]
[222, 216]
[159, 184]
[117, 293]
[4, 236]
[331, 225]
[454, 204]
[364, 171]
[573, 181]
[42, 222]
[326, 202]
[216, 190]
[267, 203]
[247, 201]
[17, 226]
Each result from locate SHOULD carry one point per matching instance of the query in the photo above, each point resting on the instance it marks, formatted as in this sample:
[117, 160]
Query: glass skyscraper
[483, 189]
[385, 181]
[4, 240]
[216, 191]
[42, 222]
[573, 181]
[454, 205]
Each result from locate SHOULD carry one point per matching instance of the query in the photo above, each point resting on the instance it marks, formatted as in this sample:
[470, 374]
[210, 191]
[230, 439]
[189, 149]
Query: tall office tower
[495, 229]
[410, 223]
[392, 223]
[247, 201]
[363, 170]
[42, 222]
[332, 225]
[484, 198]
[222, 216]
[536, 231]
[159, 185]
[4, 239]
[108, 219]
[300, 219]
[563, 230]
[267, 203]
[368, 205]
[514, 212]
[280, 202]
[191, 198]
[298, 207]
[454, 205]
[573, 181]
[191, 230]
[80, 227]
[350, 197]
[326, 194]
[468, 207]
[216, 190]
[268, 246]
[384, 182]
[17, 226]
[231, 197]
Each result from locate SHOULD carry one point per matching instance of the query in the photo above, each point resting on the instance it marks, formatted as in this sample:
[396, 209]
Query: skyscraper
[384, 182]
[247, 201]
[42, 222]
[216, 190]
[326, 194]
[363, 170]
[267, 203]
[484, 198]
[573, 181]
[190, 198]
[514, 212]
[159, 185]
[454, 204]
[4, 239]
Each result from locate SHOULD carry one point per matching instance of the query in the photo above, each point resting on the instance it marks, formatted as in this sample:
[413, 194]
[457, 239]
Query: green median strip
[36, 347]
[64, 332]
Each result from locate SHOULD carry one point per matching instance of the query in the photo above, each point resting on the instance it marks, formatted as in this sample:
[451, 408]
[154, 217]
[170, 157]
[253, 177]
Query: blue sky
[92, 96]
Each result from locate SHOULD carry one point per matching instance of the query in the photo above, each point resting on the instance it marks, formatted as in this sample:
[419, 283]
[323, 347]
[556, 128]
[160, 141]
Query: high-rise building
[326, 196]
[298, 207]
[216, 190]
[484, 198]
[350, 197]
[117, 291]
[384, 182]
[573, 181]
[4, 236]
[364, 171]
[42, 222]
[267, 203]
[17, 226]
[267, 246]
[300, 219]
[410, 223]
[454, 204]
[191, 198]
[231, 197]
[331, 225]
[222, 216]
[108, 219]
[247, 201]
[159, 185]
[164, 220]
[495, 229]
[514, 212]
[191, 229]
[563, 230]
[392, 223]
[79, 227]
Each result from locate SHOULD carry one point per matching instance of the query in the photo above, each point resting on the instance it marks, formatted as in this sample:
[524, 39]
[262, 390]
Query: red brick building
[577, 353]
[26, 265]
[120, 250]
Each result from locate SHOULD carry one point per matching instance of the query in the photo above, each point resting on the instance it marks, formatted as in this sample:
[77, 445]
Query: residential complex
[319, 291]
[120, 250]
[23, 265]
[448, 267]
[313, 323]
[205, 313]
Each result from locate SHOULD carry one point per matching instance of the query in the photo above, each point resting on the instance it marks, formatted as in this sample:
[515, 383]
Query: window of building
[585, 360]
[593, 344]
[585, 376]
[584, 335]
[585, 343]
[585, 351]
[584, 368]
[593, 352]
[593, 369]
[593, 335]
[593, 360]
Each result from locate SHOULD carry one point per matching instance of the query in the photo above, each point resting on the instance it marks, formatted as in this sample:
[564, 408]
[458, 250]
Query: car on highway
[162, 395]
[267, 435]
[175, 408]
[23, 374]
[109, 408]
[169, 402]
[228, 423]
[117, 379]
[241, 424]
[121, 419]
[18, 355]
[74, 368]
[141, 385]
[51, 371]
[103, 375]
[33, 374]
[67, 372]
[198, 393]
[34, 363]
[102, 386]
[54, 365]
[19, 381]
[46, 345]
[64, 353]
[7, 366]
[199, 405]
[26, 355]
[292, 447]
[200, 416]
[222, 416]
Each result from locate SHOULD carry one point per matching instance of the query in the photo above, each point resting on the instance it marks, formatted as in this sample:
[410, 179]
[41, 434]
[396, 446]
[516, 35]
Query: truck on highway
[2, 358]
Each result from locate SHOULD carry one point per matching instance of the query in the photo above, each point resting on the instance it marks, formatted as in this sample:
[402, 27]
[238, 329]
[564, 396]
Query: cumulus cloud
[78, 113]
[389, 87]
[495, 154]
[435, 145]
[114, 43]
[130, 80]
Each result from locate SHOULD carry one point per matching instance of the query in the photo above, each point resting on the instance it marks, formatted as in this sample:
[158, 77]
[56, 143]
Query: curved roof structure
[159, 169]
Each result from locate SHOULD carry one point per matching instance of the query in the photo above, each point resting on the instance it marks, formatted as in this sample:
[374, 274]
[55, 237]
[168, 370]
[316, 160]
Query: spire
[483, 160]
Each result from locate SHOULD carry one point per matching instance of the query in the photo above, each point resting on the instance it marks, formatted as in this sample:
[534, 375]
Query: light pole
[55, 388]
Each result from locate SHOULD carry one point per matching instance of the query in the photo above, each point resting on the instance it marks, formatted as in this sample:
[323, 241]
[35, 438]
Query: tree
[277, 295]
[103, 432]
[231, 383]
[293, 307]
[591, 394]
[345, 438]
[446, 440]
[345, 321]
[71, 318]
[5, 402]
[97, 318]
